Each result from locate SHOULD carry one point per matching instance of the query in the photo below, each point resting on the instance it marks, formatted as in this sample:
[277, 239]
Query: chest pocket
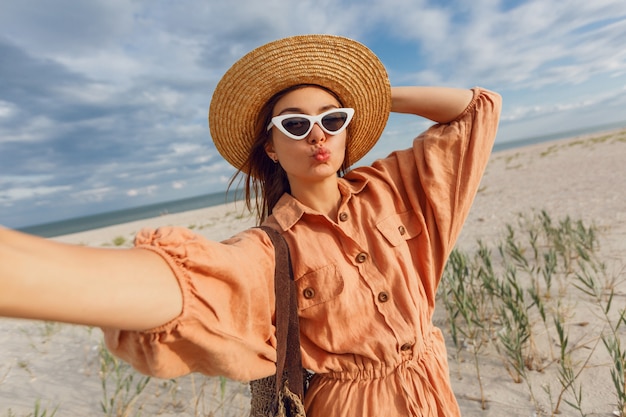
[400, 227]
[318, 287]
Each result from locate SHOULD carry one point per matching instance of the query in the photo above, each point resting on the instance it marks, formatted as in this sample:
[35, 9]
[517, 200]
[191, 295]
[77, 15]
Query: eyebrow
[298, 110]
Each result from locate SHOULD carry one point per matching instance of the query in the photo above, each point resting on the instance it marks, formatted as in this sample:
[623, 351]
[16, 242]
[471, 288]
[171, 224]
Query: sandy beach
[582, 178]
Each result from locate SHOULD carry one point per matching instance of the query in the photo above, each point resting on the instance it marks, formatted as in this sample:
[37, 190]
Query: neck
[323, 197]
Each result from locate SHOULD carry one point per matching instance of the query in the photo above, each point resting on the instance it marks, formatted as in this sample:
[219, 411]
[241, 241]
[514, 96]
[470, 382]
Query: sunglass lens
[297, 126]
[334, 121]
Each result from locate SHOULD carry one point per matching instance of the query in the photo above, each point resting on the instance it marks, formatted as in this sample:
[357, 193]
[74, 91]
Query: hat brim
[346, 67]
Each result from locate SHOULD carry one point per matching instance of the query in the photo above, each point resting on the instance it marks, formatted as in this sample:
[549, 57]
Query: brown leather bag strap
[288, 356]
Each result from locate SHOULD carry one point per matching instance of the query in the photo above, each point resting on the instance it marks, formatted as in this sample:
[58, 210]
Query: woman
[368, 246]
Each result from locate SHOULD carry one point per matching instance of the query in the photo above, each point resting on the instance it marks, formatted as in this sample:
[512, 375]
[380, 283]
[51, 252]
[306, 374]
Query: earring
[275, 159]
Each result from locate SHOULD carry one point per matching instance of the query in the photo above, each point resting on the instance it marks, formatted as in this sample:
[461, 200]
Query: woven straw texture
[344, 66]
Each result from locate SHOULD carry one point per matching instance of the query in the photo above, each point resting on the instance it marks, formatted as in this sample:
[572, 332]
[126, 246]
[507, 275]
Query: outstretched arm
[132, 289]
[439, 104]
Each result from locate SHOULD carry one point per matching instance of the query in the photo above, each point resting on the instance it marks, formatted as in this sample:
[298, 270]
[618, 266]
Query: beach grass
[514, 300]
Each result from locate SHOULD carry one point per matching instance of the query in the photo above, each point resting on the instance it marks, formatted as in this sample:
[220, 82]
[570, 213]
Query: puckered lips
[321, 154]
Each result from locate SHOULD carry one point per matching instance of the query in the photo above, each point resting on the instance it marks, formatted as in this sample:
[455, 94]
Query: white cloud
[36, 129]
[119, 91]
[93, 194]
[6, 109]
[23, 193]
[598, 99]
[430, 24]
[184, 149]
[67, 26]
[532, 45]
[148, 190]
[113, 69]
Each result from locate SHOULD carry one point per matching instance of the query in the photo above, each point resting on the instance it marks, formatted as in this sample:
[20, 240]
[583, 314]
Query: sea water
[97, 221]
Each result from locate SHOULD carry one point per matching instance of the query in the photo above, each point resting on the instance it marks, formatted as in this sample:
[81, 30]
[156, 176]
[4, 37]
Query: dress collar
[288, 211]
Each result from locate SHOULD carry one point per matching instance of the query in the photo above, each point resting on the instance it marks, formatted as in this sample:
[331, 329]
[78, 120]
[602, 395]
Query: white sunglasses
[298, 126]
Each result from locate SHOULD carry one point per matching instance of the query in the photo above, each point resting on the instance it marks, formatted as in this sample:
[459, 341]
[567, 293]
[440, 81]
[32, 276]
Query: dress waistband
[376, 370]
[410, 376]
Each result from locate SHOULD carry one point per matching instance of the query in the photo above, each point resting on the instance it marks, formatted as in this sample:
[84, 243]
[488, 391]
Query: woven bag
[282, 397]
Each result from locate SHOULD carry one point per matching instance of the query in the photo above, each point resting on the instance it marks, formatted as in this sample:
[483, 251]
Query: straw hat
[342, 65]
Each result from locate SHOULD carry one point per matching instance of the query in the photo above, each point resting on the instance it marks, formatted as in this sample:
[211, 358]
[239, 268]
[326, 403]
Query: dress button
[402, 230]
[383, 297]
[406, 346]
[308, 293]
[343, 216]
[361, 257]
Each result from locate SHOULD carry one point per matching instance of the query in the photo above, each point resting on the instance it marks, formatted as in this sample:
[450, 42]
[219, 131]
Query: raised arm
[439, 104]
[131, 289]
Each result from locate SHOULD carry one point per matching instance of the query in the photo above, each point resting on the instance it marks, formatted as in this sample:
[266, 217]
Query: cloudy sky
[103, 103]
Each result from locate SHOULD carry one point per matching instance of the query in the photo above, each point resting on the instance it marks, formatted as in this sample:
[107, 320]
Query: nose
[316, 135]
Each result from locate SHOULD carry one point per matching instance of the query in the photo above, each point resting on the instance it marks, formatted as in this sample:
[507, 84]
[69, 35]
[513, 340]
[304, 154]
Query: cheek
[342, 141]
[281, 145]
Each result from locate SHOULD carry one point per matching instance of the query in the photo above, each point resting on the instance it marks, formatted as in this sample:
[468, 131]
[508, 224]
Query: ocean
[97, 221]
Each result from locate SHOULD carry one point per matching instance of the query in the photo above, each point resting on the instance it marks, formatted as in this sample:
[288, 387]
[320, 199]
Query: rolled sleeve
[226, 324]
[451, 159]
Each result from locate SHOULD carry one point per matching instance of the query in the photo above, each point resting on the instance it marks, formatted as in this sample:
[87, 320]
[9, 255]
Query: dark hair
[264, 180]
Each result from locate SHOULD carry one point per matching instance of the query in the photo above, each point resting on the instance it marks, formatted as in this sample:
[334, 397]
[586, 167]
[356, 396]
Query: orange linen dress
[366, 281]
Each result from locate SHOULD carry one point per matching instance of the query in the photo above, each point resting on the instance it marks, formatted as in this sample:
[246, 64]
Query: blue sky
[103, 103]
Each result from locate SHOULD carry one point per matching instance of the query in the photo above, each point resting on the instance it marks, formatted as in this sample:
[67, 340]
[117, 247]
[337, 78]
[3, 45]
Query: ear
[269, 150]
